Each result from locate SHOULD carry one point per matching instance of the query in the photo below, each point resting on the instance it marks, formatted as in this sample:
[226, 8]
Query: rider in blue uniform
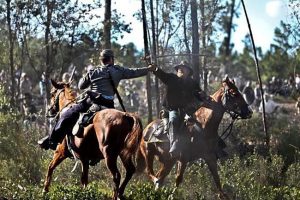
[98, 81]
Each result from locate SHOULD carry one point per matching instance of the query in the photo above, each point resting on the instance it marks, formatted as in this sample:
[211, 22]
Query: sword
[72, 75]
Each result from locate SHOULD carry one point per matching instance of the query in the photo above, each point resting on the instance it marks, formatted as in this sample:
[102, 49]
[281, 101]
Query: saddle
[159, 132]
[162, 129]
[87, 118]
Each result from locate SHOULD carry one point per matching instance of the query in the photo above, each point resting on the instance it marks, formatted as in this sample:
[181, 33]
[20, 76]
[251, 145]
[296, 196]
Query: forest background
[48, 38]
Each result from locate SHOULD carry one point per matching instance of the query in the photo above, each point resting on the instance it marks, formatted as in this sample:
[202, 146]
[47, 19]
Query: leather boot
[46, 143]
[165, 125]
[174, 146]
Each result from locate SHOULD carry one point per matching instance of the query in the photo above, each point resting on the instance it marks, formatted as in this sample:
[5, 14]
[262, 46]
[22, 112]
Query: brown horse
[113, 133]
[205, 137]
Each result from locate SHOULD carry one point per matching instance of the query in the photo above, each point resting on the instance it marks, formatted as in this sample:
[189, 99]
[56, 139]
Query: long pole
[154, 59]
[259, 79]
[147, 54]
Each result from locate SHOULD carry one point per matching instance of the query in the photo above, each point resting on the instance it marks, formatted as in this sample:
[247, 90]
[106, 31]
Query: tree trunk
[49, 56]
[11, 55]
[229, 28]
[203, 44]
[147, 53]
[188, 51]
[195, 40]
[107, 25]
[48, 44]
[154, 59]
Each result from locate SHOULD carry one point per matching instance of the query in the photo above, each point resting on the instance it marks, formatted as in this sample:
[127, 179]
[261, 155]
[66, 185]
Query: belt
[108, 97]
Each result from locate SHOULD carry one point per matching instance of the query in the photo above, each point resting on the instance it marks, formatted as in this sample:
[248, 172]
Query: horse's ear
[226, 79]
[56, 85]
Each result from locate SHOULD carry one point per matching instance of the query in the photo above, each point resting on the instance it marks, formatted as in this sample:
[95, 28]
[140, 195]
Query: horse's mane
[210, 105]
[70, 94]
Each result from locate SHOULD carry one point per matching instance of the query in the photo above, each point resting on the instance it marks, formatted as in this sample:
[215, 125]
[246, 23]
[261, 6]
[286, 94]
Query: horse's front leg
[180, 171]
[58, 157]
[166, 167]
[84, 172]
[213, 168]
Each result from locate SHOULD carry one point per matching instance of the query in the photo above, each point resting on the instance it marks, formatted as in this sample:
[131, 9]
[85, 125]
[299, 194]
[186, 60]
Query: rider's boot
[174, 143]
[165, 125]
[44, 142]
[56, 135]
[47, 143]
[62, 126]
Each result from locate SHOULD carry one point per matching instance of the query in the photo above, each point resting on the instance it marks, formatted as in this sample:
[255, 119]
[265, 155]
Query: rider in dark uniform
[181, 91]
[98, 81]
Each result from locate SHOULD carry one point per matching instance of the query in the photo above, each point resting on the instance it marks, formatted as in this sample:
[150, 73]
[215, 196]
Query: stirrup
[44, 143]
[78, 130]
[80, 124]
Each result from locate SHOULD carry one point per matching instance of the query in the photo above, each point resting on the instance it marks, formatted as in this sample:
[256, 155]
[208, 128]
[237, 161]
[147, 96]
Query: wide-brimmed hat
[183, 64]
[106, 53]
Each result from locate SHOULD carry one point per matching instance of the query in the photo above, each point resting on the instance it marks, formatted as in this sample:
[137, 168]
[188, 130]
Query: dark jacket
[179, 92]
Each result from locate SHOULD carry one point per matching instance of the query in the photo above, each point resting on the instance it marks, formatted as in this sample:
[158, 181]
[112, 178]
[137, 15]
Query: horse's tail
[133, 139]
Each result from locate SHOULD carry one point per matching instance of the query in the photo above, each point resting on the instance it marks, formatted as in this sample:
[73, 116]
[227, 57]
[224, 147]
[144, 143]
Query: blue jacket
[98, 79]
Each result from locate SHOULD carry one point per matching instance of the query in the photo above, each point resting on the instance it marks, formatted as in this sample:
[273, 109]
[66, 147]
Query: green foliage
[23, 166]
[70, 192]
[145, 191]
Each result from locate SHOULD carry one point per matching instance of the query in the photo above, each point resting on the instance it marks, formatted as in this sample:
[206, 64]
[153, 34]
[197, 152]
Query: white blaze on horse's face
[233, 101]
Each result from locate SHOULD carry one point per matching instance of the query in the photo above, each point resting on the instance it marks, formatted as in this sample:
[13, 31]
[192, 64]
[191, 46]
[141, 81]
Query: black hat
[183, 64]
[106, 53]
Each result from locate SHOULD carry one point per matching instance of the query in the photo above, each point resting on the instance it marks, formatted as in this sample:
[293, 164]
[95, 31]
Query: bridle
[234, 114]
[55, 106]
[227, 97]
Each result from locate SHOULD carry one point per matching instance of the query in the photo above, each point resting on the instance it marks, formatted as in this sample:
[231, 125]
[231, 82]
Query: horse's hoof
[121, 197]
[155, 180]
[157, 184]
[223, 196]
[45, 191]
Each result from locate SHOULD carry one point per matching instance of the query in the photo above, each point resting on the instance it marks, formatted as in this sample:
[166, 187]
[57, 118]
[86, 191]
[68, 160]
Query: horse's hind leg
[84, 173]
[149, 159]
[180, 170]
[111, 163]
[130, 169]
[58, 157]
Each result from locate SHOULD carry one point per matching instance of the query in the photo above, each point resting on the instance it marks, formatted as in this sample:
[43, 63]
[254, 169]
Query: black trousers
[68, 119]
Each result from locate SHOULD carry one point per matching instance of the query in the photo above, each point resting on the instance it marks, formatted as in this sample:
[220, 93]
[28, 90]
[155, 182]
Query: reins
[228, 130]
[56, 103]
[234, 117]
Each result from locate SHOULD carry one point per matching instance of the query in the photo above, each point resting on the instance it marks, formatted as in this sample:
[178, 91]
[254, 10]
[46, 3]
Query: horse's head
[61, 95]
[233, 101]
